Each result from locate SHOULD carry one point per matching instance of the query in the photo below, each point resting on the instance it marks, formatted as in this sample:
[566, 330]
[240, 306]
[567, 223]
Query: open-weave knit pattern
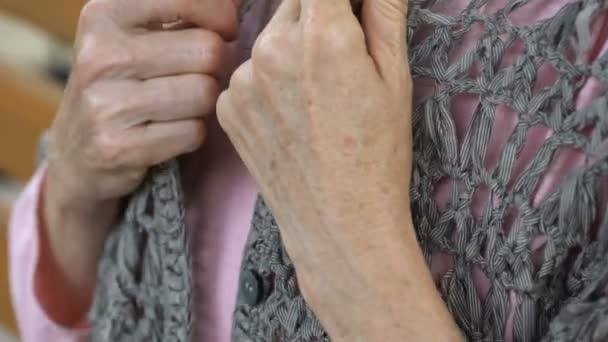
[565, 293]
[560, 296]
[145, 284]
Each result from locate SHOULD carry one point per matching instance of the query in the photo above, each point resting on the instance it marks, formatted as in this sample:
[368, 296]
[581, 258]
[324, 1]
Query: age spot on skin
[349, 144]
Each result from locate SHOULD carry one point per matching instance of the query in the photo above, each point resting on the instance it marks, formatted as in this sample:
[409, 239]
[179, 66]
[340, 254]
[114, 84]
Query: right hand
[137, 97]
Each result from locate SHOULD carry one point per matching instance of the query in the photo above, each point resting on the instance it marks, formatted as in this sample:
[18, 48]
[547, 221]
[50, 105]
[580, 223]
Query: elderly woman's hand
[321, 116]
[137, 95]
[144, 76]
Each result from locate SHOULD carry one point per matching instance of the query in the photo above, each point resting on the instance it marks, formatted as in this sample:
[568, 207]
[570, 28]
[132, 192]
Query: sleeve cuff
[24, 252]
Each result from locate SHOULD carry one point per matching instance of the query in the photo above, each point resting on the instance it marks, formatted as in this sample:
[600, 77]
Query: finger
[219, 16]
[319, 10]
[288, 12]
[174, 98]
[242, 89]
[333, 26]
[385, 25]
[154, 143]
[164, 53]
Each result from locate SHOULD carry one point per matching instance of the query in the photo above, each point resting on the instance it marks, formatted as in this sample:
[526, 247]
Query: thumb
[385, 25]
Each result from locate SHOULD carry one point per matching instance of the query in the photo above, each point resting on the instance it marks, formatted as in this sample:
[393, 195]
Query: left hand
[322, 119]
[321, 116]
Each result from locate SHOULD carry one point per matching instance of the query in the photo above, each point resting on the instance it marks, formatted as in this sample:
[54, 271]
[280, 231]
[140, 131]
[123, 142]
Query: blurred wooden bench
[29, 99]
[57, 17]
[28, 102]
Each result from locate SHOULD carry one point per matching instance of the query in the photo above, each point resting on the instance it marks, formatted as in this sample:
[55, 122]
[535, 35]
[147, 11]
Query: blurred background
[35, 42]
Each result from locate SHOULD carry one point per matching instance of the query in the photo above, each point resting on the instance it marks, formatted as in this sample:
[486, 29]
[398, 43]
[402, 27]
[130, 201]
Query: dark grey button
[251, 288]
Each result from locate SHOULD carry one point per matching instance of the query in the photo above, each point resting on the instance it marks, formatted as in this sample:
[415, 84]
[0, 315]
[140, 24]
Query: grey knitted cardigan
[145, 285]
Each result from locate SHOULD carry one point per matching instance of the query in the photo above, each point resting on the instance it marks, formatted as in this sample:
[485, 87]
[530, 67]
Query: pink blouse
[220, 196]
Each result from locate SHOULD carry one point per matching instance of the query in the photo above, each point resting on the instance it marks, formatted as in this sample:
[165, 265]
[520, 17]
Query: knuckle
[95, 104]
[223, 111]
[335, 38]
[242, 78]
[100, 105]
[109, 151]
[244, 88]
[268, 50]
[98, 56]
[210, 86]
[204, 91]
[91, 12]
[213, 51]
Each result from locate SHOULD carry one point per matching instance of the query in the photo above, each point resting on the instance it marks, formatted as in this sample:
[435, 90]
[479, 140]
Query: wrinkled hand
[321, 117]
[144, 77]
[138, 92]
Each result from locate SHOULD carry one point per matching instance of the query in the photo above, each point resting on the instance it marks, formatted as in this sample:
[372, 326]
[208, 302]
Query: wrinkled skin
[137, 96]
[321, 116]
